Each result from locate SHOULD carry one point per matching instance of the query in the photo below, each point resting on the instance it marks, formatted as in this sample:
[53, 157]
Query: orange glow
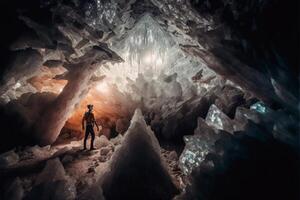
[106, 99]
[104, 103]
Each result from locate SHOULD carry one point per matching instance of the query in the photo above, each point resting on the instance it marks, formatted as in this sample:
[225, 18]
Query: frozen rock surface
[139, 154]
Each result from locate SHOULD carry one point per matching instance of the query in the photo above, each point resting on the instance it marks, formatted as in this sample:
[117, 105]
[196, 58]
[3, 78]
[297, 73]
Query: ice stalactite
[150, 50]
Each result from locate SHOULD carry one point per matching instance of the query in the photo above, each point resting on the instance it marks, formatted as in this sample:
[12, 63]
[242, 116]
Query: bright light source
[102, 87]
[149, 58]
[147, 49]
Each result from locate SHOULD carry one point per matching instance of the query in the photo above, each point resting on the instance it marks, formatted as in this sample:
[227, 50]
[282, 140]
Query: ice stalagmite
[136, 164]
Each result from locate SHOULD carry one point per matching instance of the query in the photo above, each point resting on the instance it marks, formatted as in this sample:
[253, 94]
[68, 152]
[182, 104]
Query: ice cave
[149, 100]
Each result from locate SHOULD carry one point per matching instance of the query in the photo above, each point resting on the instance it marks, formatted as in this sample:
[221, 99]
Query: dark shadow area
[249, 168]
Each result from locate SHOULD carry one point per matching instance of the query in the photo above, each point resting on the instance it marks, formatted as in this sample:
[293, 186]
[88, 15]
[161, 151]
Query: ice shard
[218, 120]
[194, 153]
[197, 146]
[260, 107]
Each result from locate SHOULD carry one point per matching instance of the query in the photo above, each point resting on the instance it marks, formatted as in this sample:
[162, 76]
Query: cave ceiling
[68, 30]
[90, 46]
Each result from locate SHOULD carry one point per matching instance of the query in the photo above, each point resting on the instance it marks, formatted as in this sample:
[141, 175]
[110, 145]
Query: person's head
[90, 107]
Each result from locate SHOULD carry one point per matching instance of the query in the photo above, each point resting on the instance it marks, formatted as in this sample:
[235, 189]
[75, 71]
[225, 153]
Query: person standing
[89, 121]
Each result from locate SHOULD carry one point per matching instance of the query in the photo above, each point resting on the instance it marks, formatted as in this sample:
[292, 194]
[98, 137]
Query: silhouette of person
[89, 118]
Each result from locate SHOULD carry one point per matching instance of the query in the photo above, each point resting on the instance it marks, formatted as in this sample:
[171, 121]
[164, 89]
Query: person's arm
[95, 123]
[83, 119]
[97, 126]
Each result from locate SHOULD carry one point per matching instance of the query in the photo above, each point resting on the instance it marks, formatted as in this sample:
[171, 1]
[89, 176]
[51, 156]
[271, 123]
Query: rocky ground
[66, 171]
[135, 166]
[29, 164]
[171, 159]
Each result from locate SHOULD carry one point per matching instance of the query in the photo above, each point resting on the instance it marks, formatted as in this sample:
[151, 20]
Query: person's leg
[92, 137]
[85, 138]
